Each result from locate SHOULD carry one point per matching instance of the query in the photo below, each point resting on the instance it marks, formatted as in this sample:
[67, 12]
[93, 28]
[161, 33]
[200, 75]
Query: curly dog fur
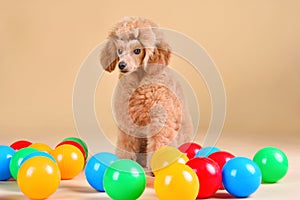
[148, 102]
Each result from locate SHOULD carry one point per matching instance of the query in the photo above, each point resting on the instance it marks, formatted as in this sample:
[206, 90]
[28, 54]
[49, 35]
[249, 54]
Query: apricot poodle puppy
[148, 102]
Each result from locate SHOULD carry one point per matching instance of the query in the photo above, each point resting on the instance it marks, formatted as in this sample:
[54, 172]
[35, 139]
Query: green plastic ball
[273, 164]
[16, 160]
[124, 180]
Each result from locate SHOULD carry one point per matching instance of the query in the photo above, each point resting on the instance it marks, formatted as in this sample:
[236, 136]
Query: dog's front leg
[125, 146]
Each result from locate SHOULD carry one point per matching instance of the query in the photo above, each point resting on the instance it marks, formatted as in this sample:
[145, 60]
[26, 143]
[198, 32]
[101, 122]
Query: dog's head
[135, 42]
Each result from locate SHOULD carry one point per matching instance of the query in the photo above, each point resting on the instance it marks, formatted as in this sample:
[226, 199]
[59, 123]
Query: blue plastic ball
[206, 151]
[241, 177]
[35, 154]
[95, 168]
[6, 154]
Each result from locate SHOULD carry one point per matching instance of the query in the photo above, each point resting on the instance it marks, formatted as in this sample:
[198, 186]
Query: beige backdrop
[255, 44]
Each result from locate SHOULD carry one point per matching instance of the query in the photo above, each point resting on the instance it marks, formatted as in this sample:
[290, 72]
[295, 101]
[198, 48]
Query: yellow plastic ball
[70, 160]
[41, 147]
[177, 182]
[165, 157]
[38, 177]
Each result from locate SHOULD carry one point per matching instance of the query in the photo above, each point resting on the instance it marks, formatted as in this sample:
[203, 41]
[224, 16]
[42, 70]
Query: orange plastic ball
[39, 177]
[41, 147]
[176, 182]
[165, 157]
[70, 160]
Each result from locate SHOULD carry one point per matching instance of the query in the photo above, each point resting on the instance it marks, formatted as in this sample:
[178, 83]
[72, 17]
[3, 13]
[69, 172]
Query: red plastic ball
[221, 158]
[190, 149]
[76, 144]
[20, 144]
[209, 175]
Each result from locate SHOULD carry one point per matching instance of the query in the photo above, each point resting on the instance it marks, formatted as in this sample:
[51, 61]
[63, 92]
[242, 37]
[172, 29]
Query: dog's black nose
[122, 65]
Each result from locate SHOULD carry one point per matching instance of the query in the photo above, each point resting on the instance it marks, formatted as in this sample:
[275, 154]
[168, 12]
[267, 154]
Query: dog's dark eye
[120, 51]
[137, 51]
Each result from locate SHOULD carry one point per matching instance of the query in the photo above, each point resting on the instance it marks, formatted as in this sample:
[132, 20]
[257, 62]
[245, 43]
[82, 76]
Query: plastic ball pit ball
[95, 168]
[273, 164]
[124, 179]
[16, 160]
[37, 154]
[190, 149]
[81, 142]
[241, 177]
[75, 144]
[70, 161]
[6, 153]
[209, 175]
[165, 157]
[176, 182]
[41, 147]
[20, 144]
[221, 157]
[206, 151]
[38, 177]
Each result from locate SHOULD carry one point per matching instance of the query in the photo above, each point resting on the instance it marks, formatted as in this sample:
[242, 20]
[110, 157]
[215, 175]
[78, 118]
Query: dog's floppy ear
[109, 57]
[159, 59]
[161, 55]
[148, 39]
